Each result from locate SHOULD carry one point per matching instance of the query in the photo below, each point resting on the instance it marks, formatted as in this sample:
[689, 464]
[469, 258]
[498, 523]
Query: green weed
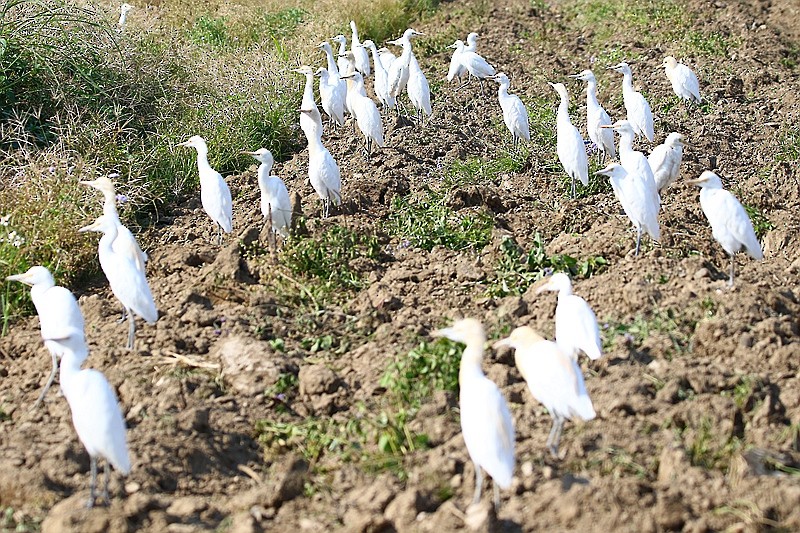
[428, 367]
[475, 170]
[286, 382]
[761, 224]
[675, 324]
[704, 448]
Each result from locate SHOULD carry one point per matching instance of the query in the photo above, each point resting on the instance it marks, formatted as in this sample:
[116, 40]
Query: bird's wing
[455, 66]
[688, 81]
[125, 244]
[572, 152]
[58, 309]
[519, 117]
[735, 219]
[576, 319]
[227, 205]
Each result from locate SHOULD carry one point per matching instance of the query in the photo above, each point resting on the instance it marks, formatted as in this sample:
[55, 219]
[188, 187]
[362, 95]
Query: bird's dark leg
[131, 329]
[733, 263]
[106, 476]
[496, 495]
[124, 315]
[92, 484]
[551, 437]
[50, 380]
[478, 483]
[219, 235]
[574, 192]
[558, 425]
[638, 239]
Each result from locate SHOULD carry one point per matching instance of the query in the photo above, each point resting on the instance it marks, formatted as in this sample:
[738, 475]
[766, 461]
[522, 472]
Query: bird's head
[383, 50]
[35, 275]
[472, 38]
[675, 139]
[557, 282]
[614, 170]
[353, 26]
[341, 39]
[195, 141]
[522, 337]
[586, 75]
[410, 32]
[262, 155]
[124, 8]
[102, 184]
[349, 55]
[707, 179]
[621, 127]
[368, 44]
[321, 72]
[458, 45]
[622, 68]
[463, 331]
[670, 62]
[304, 69]
[500, 78]
[324, 45]
[101, 224]
[559, 88]
[355, 76]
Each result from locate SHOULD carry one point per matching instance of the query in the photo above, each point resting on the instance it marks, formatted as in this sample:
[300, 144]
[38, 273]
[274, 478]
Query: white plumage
[332, 89]
[323, 172]
[360, 53]
[473, 63]
[275, 203]
[730, 225]
[127, 283]
[486, 422]
[553, 378]
[684, 81]
[96, 413]
[635, 162]
[306, 123]
[665, 160]
[399, 70]
[569, 143]
[576, 323]
[597, 117]
[366, 112]
[419, 92]
[215, 196]
[341, 62]
[635, 198]
[515, 115]
[380, 82]
[637, 108]
[387, 57]
[456, 68]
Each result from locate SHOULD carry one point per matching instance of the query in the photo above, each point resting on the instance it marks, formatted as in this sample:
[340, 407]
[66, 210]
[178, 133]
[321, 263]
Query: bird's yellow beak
[90, 227]
[502, 343]
[247, 153]
[607, 126]
[23, 278]
[88, 183]
[696, 181]
[444, 332]
[184, 143]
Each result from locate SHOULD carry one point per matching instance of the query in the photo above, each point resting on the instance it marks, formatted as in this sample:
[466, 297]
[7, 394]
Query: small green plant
[675, 324]
[210, 31]
[761, 224]
[705, 448]
[474, 170]
[428, 367]
[285, 383]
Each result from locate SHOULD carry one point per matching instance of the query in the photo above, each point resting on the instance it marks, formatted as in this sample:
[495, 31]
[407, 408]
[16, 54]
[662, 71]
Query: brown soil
[698, 407]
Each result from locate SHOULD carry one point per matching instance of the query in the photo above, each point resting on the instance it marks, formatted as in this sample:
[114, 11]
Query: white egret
[576, 323]
[456, 69]
[634, 196]
[637, 108]
[96, 413]
[419, 92]
[635, 162]
[381, 81]
[730, 225]
[215, 196]
[353, 88]
[387, 57]
[665, 160]
[323, 173]
[341, 62]
[515, 115]
[123, 15]
[486, 422]
[684, 81]
[275, 203]
[471, 44]
[569, 143]
[366, 112]
[306, 123]
[57, 309]
[473, 63]
[127, 283]
[399, 70]
[597, 117]
[125, 243]
[554, 379]
[360, 53]
[332, 89]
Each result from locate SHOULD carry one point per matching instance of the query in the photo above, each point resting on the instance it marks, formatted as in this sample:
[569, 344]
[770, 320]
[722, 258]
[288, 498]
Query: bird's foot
[90, 502]
[553, 451]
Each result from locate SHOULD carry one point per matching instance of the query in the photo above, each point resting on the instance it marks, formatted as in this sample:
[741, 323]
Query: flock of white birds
[549, 368]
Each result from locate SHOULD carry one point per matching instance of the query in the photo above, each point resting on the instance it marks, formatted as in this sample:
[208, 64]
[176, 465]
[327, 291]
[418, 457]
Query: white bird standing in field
[665, 160]
[471, 44]
[399, 70]
[215, 196]
[514, 113]
[127, 283]
[332, 89]
[569, 143]
[362, 57]
[554, 379]
[275, 203]
[486, 422]
[125, 243]
[419, 91]
[381, 82]
[634, 196]
[123, 16]
[323, 172]
[306, 123]
[456, 68]
[576, 323]
[353, 89]
[637, 108]
[597, 117]
[366, 112]
[96, 413]
[387, 57]
[57, 309]
[730, 225]
[635, 162]
[684, 81]
[341, 62]
[474, 64]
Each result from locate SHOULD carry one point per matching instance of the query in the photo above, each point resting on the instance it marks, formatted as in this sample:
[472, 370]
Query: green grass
[428, 367]
[705, 448]
[761, 224]
[516, 270]
[676, 325]
[473, 171]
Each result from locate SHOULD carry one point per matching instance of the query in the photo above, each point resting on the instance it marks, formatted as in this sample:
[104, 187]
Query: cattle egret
[471, 43]
[366, 112]
[514, 113]
[214, 193]
[637, 108]
[474, 64]
[419, 92]
[634, 196]
[381, 81]
[96, 413]
[275, 204]
[684, 81]
[554, 379]
[569, 143]
[57, 309]
[352, 88]
[125, 242]
[730, 225]
[636, 163]
[323, 173]
[362, 56]
[665, 160]
[332, 89]
[597, 117]
[123, 15]
[306, 123]
[399, 70]
[127, 283]
[576, 323]
[341, 62]
[387, 57]
[456, 69]
[485, 419]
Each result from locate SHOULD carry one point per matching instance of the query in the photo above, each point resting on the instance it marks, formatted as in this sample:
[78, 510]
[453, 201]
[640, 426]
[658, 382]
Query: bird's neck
[563, 108]
[405, 57]
[503, 90]
[110, 204]
[376, 59]
[263, 170]
[69, 369]
[342, 48]
[333, 69]
[471, 357]
[626, 141]
[627, 82]
[591, 94]
[202, 161]
[308, 93]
